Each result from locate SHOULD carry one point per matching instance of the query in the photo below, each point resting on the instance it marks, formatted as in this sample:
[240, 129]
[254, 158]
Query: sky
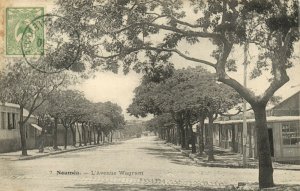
[118, 88]
[108, 86]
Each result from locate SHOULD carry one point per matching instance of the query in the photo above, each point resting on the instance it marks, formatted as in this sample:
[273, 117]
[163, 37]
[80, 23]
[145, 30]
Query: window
[291, 133]
[11, 120]
[14, 120]
[2, 120]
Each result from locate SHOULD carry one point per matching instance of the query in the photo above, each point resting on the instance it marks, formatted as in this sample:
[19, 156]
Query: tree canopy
[153, 31]
[192, 89]
[29, 89]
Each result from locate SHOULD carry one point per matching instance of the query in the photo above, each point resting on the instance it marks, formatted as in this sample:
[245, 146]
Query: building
[283, 122]
[9, 128]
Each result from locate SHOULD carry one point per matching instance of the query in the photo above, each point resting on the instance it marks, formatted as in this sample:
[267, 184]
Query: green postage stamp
[25, 31]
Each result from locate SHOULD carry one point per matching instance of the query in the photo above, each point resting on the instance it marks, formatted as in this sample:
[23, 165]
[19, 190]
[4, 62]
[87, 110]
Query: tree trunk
[168, 135]
[23, 139]
[54, 137]
[111, 136]
[178, 135]
[192, 135]
[90, 134]
[193, 140]
[175, 141]
[200, 134]
[73, 135]
[42, 140]
[263, 147]
[206, 136]
[98, 136]
[22, 133]
[171, 135]
[161, 133]
[210, 138]
[95, 142]
[66, 137]
[79, 135]
[84, 134]
[182, 130]
[187, 138]
[106, 138]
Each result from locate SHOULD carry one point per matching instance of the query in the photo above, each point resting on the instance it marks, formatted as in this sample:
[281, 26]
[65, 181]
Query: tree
[116, 119]
[127, 29]
[44, 121]
[103, 118]
[162, 124]
[99, 121]
[28, 88]
[132, 128]
[74, 108]
[52, 106]
[188, 94]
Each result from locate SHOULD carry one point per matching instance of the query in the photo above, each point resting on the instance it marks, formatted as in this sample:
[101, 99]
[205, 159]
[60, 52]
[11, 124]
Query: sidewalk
[34, 153]
[228, 159]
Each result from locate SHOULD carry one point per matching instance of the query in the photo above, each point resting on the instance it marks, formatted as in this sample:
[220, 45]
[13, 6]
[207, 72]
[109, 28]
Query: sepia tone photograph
[154, 95]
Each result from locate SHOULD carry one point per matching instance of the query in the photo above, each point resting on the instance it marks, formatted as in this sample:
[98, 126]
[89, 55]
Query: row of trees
[48, 98]
[189, 96]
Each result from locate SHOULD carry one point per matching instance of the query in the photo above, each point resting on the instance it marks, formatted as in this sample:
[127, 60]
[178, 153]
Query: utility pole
[246, 47]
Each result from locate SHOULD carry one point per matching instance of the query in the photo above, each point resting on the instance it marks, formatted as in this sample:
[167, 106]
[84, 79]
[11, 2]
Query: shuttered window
[291, 133]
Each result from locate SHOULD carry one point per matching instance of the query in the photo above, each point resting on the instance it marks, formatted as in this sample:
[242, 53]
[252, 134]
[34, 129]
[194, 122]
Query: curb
[62, 151]
[197, 161]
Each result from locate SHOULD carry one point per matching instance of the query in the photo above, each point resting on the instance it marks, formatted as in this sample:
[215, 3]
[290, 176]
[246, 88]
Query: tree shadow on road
[170, 154]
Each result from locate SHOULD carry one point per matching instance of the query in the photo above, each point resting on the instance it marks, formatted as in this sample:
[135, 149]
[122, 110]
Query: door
[270, 132]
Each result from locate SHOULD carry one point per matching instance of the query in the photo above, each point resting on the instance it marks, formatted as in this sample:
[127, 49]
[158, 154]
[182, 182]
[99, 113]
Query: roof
[268, 108]
[269, 119]
[285, 100]
[13, 105]
[36, 126]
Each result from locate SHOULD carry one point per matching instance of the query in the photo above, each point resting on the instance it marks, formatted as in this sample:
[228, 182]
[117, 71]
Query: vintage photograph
[154, 95]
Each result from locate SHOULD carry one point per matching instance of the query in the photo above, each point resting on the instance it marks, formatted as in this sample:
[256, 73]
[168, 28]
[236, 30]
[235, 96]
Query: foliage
[133, 128]
[69, 106]
[191, 89]
[26, 87]
[140, 33]
[107, 116]
[160, 121]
